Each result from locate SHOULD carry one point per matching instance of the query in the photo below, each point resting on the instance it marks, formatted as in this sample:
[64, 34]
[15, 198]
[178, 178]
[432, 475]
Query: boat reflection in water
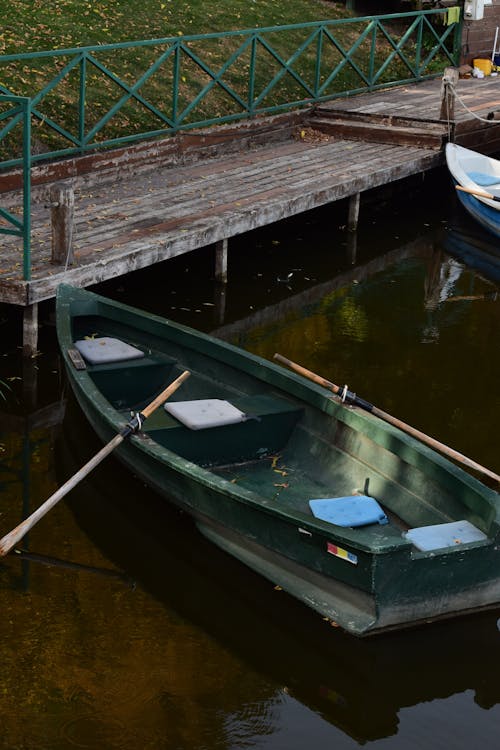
[476, 248]
[358, 686]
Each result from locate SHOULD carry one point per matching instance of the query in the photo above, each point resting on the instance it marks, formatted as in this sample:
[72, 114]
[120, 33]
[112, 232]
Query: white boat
[480, 176]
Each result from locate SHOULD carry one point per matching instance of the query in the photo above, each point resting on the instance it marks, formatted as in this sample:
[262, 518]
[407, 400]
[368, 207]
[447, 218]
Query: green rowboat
[345, 512]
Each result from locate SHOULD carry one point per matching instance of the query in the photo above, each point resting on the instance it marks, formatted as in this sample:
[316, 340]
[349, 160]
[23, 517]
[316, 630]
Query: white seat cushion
[203, 413]
[104, 350]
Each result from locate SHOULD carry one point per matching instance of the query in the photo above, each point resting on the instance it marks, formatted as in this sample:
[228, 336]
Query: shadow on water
[359, 686]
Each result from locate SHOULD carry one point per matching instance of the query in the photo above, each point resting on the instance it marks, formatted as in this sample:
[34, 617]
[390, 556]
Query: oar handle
[353, 399]
[13, 537]
[164, 395]
[480, 193]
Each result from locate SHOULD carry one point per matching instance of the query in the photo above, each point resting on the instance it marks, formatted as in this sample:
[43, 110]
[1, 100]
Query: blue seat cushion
[353, 510]
[481, 178]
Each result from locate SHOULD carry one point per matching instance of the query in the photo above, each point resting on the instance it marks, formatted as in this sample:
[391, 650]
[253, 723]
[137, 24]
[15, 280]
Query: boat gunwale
[317, 396]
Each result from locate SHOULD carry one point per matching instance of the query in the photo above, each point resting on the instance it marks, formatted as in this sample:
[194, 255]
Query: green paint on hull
[247, 485]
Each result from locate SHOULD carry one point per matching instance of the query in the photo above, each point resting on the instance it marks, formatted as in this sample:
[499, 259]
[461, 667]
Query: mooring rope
[457, 96]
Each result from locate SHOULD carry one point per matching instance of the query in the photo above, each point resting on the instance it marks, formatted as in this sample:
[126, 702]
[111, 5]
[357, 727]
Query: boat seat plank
[143, 362]
[255, 407]
[267, 429]
[131, 385]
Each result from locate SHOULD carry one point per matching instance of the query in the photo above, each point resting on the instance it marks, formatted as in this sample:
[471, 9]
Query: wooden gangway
[142, 205]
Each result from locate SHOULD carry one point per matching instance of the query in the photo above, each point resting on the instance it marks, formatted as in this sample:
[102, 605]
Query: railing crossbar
[216, 79]
[131, 93]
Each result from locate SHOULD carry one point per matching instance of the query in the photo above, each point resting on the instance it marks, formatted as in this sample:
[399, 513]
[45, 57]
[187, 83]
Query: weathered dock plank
[133, 224]
[144, 204]
[418, 105]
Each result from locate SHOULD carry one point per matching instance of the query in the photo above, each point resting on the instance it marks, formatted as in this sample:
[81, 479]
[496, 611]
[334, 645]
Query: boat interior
[281, 449]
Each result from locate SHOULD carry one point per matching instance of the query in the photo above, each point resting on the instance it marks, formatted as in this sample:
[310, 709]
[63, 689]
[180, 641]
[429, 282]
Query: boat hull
[365, 580]
[486, 216]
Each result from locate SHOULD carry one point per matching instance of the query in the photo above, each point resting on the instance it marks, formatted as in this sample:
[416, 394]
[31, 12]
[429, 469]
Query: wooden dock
[138, 206]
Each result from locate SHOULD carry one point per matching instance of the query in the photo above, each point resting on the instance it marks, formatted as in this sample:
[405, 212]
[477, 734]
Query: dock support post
[220, 302]
[30, 330]
[221, 261]
[352, 247]
[353, 216]
[62, 209]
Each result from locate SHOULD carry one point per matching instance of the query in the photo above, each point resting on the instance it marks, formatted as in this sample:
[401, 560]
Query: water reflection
[475, 248]
[358, 686]
[123, 627]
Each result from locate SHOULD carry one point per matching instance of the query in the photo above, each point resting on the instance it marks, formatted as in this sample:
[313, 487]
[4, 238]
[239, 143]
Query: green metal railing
[18, 114]
[103, 96]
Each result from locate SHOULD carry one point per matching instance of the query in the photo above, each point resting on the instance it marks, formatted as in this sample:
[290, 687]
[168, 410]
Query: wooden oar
[480, 193]
[352, 398]
[13, 537]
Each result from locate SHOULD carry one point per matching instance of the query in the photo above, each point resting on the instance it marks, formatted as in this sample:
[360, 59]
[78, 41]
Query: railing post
[81, 100]
[251, 76]
[27, 189]
[175, 83]
[418, 53]
[319, 53]
[373, 52]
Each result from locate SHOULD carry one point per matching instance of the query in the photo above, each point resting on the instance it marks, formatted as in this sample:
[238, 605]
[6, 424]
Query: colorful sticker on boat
[343, 553]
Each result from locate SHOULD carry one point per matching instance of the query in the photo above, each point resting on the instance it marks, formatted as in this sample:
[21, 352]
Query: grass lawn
[35, 25]
[151, 89]
[32, 26]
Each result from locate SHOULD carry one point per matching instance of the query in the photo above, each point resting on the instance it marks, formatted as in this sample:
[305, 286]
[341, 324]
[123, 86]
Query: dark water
[140, 634]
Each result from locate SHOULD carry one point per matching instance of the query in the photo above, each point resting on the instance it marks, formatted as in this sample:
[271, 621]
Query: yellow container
[485, 65]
